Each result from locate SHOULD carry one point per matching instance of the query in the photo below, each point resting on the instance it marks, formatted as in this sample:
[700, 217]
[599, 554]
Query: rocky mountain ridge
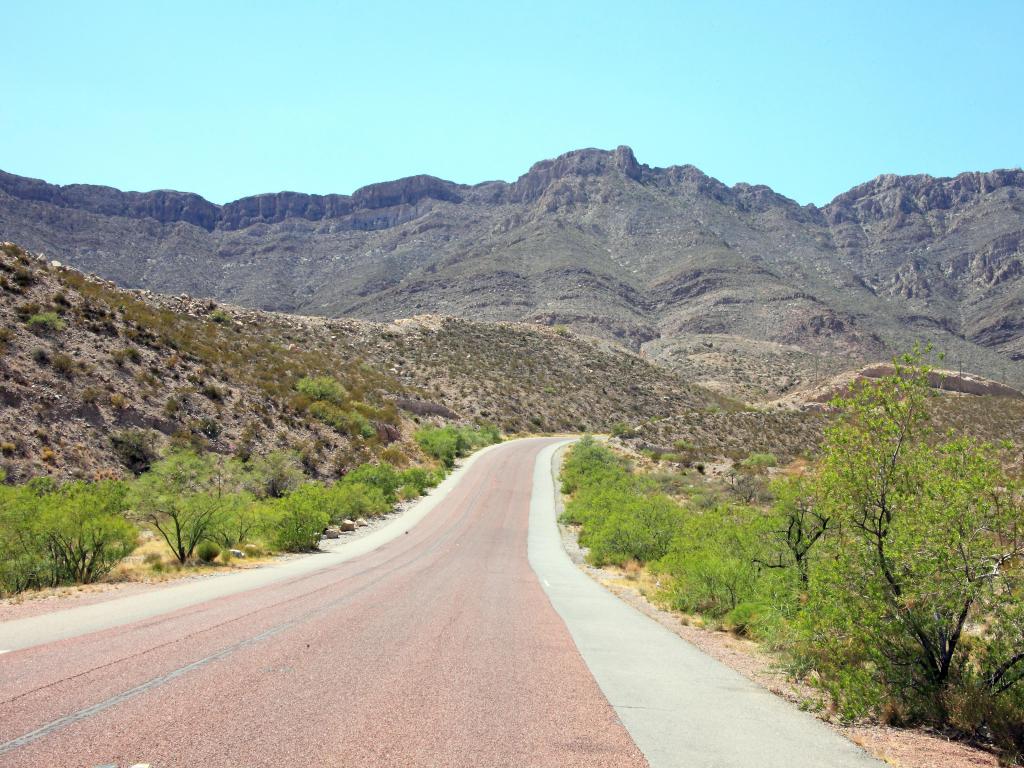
[737, 287]
[96, 380]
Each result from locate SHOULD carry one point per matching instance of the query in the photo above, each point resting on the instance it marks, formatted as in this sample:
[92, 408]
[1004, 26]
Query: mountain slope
[737, 287]
[94, 378]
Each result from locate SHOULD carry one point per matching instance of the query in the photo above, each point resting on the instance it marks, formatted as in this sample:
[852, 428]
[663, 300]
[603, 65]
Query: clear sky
[229, 99]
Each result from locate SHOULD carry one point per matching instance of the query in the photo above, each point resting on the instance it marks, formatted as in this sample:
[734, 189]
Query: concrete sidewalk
[681, 707]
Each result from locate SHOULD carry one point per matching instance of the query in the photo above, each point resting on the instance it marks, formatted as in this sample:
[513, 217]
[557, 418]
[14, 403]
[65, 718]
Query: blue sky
[232, 98]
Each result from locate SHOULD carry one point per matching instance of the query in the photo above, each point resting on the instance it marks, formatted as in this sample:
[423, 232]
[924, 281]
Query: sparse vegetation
[46, 322]
[446, 444]
[892, 570]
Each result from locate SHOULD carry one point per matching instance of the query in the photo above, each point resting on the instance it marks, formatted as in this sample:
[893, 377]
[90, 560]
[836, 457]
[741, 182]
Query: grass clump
[46, 322]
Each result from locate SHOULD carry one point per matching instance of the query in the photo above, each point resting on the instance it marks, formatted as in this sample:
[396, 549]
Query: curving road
[441, 647]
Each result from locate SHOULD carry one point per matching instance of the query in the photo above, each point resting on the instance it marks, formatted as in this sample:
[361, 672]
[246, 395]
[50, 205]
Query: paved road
[35, 630]
[442, 647]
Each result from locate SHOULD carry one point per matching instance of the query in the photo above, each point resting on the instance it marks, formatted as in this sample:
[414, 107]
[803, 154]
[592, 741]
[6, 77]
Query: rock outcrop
[665, 260]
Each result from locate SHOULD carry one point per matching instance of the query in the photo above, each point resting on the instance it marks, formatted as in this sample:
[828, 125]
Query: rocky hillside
[737, 287]
[95, 379]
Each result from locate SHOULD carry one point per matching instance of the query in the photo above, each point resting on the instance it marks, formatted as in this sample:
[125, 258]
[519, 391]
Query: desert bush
[126, 354]
[323, 388]
[345, 421]
[383, 477]
[46, 322]
[446, 444]
[276, 474]
[419, 479]
[622, 516]
[136, 448]
[64, 364]
[207, 551]
[712, 561]
[212, 391]
[73, 534]
[296, 521]
[354, 500]
[183, 496]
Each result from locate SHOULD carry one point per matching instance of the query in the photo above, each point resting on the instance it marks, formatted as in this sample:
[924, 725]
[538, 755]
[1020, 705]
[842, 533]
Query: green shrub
[418, 480]
[207, 551]
[45, 322]
[446, 444]
[347, 422]
[384, 477]
[73, 534]
[64, 364]
[712, 561]
[323, 388]
[296, 521]
[354, 500]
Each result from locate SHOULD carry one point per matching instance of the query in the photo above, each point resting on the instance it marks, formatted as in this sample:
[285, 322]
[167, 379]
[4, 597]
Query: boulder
[347, 525]
[332, 532]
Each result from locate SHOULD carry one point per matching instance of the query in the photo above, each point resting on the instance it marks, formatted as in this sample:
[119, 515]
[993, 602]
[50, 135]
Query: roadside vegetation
[889, 574]
[202, 507]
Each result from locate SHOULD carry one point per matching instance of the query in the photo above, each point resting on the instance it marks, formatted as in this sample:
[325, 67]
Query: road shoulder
[681, 707]
[165, 598]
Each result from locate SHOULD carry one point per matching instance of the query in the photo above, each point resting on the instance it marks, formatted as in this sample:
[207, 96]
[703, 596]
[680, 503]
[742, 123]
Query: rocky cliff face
[738, 286]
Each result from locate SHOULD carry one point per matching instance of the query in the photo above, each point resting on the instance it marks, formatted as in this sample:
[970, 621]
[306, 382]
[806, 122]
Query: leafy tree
[277, 473]
[794, 525]
[238, 521]
[85, 531]
[183, 496]
[23, 560]
[930, 540]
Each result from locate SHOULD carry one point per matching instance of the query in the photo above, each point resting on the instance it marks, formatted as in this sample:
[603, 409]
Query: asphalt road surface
[441, 647]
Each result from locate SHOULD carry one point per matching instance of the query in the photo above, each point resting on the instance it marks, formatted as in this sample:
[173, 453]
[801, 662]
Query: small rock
[332, 532]
[360, 522]
[347, 525]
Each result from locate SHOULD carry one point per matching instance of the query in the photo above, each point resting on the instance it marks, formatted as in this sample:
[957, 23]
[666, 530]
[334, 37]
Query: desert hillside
[738, 287]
